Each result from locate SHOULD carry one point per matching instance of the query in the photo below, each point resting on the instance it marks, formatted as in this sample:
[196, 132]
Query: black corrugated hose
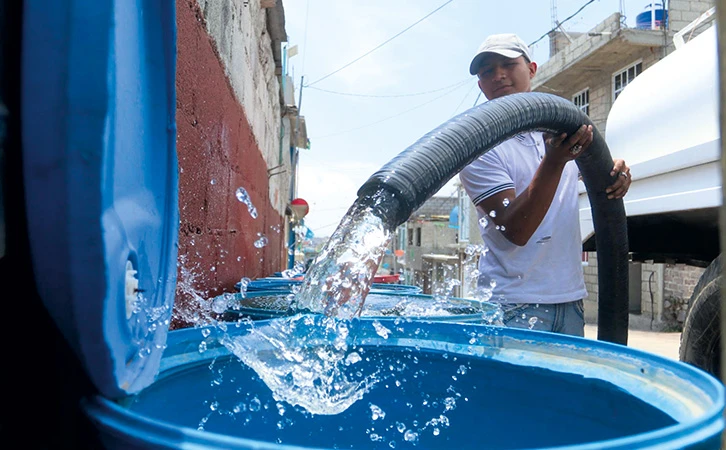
[417, 173]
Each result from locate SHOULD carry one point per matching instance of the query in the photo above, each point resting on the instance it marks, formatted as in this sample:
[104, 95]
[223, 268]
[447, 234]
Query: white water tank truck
[665, 124]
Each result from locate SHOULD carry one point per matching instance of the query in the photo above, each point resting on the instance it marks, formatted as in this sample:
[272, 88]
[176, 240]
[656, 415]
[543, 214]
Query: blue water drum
[644, 20]
[380, 303]
[430, 385]
[287, 284]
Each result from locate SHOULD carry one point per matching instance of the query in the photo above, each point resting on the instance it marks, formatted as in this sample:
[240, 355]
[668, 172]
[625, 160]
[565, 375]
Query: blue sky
[352, 136]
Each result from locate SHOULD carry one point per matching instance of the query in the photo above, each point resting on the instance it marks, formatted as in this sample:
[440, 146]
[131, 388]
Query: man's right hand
[561, 149]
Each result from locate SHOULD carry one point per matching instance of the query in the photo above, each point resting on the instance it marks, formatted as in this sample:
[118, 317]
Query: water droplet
[483, 222]
[492, 213]
[212, 181]
[381, 330]
[202, 347]
[410, 436]
[261, 242]
[255, 404]
[206, 332]
[214, 406]
[353, 358]
[502, 228]
[244, 197]
[505, 202]
[377, 412]
[532, 322]
[400, 427]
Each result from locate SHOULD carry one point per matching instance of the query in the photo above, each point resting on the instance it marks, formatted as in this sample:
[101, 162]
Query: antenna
[553, 13]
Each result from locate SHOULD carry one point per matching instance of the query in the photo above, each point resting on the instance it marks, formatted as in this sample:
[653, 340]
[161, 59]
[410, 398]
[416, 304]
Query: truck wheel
[701, 336]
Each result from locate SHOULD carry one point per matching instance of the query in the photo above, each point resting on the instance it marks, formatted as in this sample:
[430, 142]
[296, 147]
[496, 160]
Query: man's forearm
[525, 213]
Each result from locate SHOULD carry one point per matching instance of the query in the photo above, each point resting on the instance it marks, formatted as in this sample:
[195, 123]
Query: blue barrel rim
[108, 414]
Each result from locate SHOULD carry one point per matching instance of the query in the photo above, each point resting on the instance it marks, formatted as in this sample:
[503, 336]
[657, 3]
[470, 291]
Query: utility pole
[292, 240]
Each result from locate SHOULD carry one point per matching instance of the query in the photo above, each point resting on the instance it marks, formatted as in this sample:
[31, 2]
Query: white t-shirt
[548, 269]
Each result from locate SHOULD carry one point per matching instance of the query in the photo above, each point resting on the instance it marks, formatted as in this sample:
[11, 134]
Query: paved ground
[659, 343]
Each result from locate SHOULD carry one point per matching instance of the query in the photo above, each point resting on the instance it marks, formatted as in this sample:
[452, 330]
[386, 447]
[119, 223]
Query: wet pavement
[659, 343]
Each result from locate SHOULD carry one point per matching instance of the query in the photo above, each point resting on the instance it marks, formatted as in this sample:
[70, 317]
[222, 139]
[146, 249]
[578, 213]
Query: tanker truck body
[665, 125]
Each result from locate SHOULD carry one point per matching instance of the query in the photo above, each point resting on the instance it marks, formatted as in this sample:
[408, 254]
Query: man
[525, 191]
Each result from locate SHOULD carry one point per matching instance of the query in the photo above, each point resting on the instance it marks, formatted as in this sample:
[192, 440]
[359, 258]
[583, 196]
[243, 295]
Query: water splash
[243, 284]
[296, 360]
[244, 197]
[297, 270]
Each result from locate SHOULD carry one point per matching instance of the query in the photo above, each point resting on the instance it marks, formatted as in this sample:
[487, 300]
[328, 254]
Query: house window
[623, 77]
[418, 237]
[410, 236]
[582, 100]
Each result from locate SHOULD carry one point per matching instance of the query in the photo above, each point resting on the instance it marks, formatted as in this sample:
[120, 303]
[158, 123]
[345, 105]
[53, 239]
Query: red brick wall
[217, 154]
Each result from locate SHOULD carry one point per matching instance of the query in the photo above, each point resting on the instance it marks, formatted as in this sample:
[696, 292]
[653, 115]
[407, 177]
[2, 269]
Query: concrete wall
[243, 45]
[228, 137]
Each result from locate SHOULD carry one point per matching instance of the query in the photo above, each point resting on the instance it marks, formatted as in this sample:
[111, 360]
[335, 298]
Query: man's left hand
[622, 184]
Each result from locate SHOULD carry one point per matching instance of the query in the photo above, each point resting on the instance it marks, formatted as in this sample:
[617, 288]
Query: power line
[380, 45]
[351, 94]
[561, 23]
[477, 99]
[462, 100]
[390, 117]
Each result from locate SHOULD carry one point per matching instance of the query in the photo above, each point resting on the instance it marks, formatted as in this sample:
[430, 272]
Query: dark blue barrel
[441, 385]
[269, 283]
[380, 303]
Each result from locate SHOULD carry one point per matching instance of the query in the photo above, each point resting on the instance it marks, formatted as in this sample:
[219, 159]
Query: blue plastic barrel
[286, 284]
[274, 303]
[442, 385]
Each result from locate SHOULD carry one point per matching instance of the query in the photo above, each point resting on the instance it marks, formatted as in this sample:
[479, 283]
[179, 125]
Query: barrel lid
[100, 175]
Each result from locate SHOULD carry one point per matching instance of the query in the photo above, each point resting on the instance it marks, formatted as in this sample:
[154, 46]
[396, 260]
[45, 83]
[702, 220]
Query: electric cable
[380, 45]
[561, 23]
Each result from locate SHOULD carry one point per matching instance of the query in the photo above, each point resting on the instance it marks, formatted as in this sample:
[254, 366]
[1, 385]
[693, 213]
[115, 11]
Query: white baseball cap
[508, 45]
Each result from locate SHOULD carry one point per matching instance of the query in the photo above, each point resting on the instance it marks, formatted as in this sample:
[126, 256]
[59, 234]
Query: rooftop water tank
[646, 21]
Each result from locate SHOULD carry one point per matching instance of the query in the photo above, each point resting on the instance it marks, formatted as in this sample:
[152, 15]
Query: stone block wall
[683, 12]
[680, 280]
